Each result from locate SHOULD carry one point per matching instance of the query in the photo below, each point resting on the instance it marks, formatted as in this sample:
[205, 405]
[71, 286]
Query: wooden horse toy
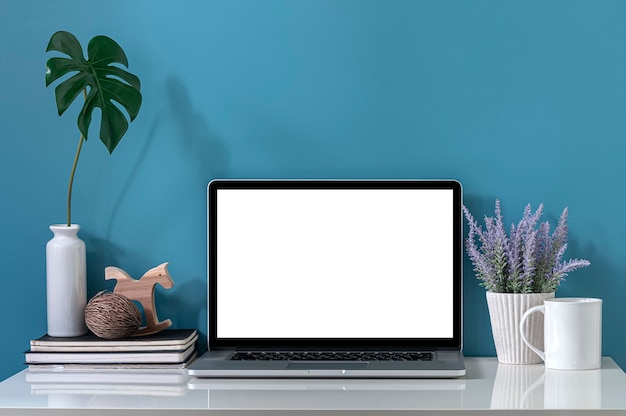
[142, 290]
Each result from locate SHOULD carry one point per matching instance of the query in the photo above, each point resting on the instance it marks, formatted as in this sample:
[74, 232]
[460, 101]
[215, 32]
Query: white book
[169, 339]
[33, 357]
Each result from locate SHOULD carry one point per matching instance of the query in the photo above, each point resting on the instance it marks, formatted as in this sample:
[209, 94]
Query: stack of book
[168, 349]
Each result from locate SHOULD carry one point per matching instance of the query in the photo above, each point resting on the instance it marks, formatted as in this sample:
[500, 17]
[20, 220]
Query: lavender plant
[528, 260]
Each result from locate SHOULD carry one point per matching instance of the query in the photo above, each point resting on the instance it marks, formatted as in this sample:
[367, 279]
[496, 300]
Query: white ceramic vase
[505, 312]
[66, 282]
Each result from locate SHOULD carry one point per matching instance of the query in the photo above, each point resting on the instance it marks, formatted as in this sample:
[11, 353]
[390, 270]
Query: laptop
[334, 278]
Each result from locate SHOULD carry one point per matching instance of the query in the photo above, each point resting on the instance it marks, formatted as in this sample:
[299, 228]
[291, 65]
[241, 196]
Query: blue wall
[520, 100]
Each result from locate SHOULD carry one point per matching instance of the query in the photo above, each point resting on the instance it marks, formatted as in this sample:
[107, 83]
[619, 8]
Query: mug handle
[540, 308]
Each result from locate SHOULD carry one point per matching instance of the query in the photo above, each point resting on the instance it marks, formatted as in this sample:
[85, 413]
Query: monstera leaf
[103, 82]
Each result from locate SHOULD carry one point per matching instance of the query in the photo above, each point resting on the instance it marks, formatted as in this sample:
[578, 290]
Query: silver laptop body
[334, 278]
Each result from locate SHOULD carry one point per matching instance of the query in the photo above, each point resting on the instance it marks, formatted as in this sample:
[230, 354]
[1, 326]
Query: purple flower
[528, 260]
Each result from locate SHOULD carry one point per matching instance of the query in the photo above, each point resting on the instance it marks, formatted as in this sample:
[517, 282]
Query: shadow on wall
[178, 155]
[100, 254]
[206, 152]
[203, 153]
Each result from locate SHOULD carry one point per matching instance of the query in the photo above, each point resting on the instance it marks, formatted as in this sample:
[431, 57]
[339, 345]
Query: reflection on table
[534, 387]
[488, 386]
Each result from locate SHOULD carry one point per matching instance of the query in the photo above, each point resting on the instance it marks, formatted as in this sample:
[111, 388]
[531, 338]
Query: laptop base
[215, 364]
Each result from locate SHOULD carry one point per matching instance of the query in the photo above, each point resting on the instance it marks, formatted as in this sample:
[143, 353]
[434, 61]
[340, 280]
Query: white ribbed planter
[505, 312]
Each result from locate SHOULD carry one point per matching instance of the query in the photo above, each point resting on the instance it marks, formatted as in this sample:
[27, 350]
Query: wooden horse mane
[142, 290]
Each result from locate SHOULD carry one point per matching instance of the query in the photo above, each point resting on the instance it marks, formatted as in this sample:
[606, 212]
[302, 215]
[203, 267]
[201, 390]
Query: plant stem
[69, 189]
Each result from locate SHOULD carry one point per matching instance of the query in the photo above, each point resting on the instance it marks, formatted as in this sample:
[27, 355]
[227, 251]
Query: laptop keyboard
[332, 356]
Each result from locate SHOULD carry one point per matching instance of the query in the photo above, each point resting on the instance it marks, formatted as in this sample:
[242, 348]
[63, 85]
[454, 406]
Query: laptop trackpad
[308, 365]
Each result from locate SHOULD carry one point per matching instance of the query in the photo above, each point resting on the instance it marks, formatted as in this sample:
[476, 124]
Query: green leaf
[108, 86]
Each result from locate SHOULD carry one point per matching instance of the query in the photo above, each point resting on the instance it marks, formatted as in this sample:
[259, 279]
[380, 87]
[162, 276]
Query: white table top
[489, 387]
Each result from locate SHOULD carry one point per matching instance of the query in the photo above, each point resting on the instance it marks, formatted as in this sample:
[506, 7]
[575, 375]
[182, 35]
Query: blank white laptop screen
[335, 263]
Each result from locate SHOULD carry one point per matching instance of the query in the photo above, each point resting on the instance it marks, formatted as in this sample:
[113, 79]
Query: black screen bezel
[453, 343]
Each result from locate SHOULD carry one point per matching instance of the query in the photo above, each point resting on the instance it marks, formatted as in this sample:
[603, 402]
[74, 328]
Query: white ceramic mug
[572, 333]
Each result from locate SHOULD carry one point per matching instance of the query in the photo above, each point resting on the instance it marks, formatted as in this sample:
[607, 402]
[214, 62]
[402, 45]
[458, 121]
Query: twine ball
[112, 316]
